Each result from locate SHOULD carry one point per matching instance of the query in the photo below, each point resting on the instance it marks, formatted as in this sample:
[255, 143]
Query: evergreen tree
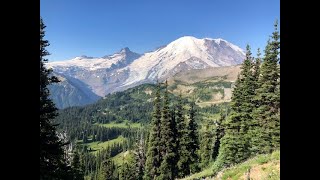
[84, 139]
[193, 140]
[154, 158]
[52, 162]
[266, 130]
[175, 139]
[126, 171]
[168, 144]
[124, 168]
[219, 133]
[235, 143]
[139, 154]
[254, 129]
[77, 167]
[182, 141]
[206, 147]
[107, 168]
[247, 92]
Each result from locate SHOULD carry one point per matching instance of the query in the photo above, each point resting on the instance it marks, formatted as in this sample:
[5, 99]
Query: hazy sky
[101, 27]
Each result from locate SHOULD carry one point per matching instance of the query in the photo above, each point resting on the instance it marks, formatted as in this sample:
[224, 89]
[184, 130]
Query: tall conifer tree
[52, 162]
[182, 140]
[193, 140]
[206, 147]
[219, 133]
[168, 144]
[154, 158]
[267, 113]
[77, 166]
[235, 143]
[107, 168]
[139, 156]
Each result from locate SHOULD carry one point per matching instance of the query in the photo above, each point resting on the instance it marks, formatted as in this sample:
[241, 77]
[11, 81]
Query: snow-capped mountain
[127, 69]
[122, 58]
[184, 53]
[97, 73]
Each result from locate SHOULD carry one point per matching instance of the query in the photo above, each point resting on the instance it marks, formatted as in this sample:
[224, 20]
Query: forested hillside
[116, 121]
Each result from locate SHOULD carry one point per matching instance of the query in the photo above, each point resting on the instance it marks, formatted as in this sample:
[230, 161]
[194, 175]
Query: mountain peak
[187, 38]
[193, 41]
[125, 50]
[191, 38]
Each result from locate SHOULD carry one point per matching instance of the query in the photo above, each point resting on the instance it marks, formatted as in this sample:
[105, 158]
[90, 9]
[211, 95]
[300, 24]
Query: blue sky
[101, 27]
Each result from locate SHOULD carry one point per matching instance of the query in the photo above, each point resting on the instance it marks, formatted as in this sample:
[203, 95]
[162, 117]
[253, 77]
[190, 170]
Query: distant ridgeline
[126, 69]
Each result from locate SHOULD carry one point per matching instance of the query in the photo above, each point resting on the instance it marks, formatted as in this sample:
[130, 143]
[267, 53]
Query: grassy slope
[96, 146]
[261, 167]
[123, 156]
[196, 75]
[203, 91]
[206, 86]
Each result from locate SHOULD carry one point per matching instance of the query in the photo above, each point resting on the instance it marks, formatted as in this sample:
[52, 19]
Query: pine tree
[153, 154]
[107, 168]
[123, 171]
[139, 154]
[193, 140]
[182, 141]
[254, 129]
[235, 143]
[267, 113]
[175, 139]
[247, 92]
[219, 133]
[77, 167]
[168, 144]
[206, 147]
[52, 162]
